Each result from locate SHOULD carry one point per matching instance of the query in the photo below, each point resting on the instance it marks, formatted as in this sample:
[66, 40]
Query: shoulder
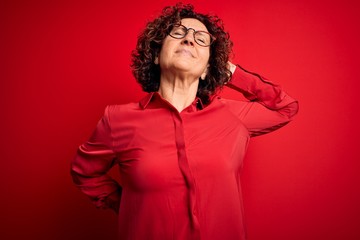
[234, 106]
[232, 102]
[115, 108]
[116, 111]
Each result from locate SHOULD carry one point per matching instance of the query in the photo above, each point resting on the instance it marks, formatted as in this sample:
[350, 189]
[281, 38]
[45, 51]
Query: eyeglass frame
[212, 38]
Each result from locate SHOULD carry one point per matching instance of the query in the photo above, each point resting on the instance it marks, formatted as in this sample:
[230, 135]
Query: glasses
[202, 38]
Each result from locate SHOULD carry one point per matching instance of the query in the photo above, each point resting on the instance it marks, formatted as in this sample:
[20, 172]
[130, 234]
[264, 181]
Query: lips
[184, 51]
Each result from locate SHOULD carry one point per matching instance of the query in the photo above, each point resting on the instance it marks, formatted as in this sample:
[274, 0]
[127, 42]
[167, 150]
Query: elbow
[75, 177]
[76, 173]
[291, 110]
[295, 109]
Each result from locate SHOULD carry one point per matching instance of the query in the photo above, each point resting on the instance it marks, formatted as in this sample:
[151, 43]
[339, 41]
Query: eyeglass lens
[201, 37]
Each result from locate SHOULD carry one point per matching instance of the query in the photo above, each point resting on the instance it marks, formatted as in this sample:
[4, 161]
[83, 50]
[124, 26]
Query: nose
[189, 38]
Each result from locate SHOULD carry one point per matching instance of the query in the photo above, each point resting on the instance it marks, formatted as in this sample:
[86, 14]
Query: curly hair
[149, 44]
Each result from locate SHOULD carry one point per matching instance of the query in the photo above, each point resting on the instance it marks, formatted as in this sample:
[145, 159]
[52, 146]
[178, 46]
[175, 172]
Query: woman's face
[185, 56]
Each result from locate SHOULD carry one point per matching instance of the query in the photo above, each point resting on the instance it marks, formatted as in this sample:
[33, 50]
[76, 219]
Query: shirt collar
[144, 102]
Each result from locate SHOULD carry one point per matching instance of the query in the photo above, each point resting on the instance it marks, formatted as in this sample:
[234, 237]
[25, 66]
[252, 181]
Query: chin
[184, 64]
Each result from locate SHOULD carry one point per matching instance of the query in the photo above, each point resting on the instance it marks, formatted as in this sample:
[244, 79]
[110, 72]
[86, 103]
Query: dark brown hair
[149, 44]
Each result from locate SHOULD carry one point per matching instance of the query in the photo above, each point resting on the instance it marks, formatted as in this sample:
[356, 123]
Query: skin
[183, 62]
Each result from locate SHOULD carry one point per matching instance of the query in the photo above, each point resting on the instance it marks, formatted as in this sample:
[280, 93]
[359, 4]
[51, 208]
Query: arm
[270, 107]
[90, 166]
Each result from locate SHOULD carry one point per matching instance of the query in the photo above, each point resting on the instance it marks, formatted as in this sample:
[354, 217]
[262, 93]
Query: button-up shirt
[179, 171]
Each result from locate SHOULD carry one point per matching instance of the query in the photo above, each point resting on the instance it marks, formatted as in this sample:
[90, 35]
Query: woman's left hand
[231, 67]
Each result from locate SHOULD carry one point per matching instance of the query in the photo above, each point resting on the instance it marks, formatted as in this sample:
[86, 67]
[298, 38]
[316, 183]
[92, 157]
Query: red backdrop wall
[62, 62]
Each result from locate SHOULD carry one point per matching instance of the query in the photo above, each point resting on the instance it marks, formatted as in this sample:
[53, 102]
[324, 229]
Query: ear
[203, 75]
[156, 61]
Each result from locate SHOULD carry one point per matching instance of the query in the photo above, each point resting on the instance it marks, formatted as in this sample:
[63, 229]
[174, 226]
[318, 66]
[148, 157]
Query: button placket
[185, 168]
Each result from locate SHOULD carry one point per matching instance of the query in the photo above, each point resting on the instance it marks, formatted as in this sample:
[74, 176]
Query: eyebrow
[180, 24]
[202, 32]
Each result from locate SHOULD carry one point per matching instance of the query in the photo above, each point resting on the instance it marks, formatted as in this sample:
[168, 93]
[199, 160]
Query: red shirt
[180, 172]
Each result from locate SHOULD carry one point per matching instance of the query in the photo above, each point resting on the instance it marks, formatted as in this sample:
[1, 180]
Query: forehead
[193, 23]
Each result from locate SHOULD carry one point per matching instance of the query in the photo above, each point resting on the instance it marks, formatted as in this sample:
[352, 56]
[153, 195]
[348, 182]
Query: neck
[180, 92]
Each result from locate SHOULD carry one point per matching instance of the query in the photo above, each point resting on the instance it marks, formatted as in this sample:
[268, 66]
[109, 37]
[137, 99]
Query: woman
[180, 149]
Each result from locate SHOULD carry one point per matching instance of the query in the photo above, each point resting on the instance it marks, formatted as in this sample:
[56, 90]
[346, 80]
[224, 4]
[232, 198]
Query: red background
[62, 62]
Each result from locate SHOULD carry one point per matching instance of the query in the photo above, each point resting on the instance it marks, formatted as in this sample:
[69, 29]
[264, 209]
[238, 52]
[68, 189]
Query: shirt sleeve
[269, 107]
[89, 168]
